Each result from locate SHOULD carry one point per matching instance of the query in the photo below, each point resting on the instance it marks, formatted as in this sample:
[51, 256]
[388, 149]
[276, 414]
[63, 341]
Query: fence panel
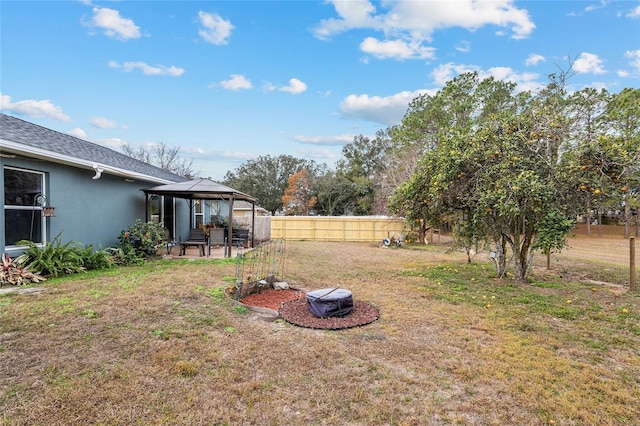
[262, 229]
[335, 228]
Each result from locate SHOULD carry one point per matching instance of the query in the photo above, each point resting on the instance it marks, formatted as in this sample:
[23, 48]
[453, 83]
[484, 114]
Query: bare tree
[164, 156]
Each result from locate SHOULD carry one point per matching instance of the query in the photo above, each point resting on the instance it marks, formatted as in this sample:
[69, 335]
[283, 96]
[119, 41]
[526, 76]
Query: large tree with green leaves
[266, 178]
[496, 167]
[623, 117]
[336, 195]
[433, 119]
[586, 109]
[362, 166]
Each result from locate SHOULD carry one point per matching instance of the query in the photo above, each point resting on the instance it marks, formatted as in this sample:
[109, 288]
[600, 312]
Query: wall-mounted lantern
[47, 210]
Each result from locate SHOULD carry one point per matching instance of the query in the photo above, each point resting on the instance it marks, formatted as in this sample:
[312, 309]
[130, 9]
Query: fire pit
[329, 302]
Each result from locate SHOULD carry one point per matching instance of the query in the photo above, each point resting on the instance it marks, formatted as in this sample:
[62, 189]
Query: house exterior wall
[87, 211]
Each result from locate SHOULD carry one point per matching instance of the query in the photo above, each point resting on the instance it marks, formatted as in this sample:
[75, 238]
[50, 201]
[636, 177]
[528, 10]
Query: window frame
[35, 208]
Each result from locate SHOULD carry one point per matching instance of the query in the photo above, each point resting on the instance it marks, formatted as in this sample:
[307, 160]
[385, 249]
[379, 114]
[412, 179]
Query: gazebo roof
[199, 189]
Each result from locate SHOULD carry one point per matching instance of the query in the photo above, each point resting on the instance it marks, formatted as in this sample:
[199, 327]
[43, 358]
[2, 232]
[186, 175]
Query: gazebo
[204, 189]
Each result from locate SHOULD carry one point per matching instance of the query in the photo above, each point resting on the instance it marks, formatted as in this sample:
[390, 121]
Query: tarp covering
[329, 302]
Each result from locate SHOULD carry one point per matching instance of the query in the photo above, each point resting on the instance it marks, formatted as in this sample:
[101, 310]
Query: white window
[198, 212]
[24, 198]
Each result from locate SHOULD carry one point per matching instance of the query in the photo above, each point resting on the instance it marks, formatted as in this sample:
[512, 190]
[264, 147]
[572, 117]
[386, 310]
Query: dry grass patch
[158, 345]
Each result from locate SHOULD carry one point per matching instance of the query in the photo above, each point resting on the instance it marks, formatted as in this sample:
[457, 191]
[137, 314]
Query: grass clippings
[159, 344]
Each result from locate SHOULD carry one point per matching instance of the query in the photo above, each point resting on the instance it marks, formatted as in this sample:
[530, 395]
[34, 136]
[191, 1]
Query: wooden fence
[336, 228]
[262, 227]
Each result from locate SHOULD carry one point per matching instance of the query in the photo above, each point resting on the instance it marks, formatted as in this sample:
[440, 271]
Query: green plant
[96, 260]
[139, 242]
[12, 272]
[54, 258]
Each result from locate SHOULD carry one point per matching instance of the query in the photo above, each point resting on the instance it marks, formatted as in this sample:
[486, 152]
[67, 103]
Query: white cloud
[236, 82]
[588, 63]
[592, 7]
[353, 14]
[105, 123]
[525, 81]
[335, 140]
[113, 25]
[269, 87]
[78, 133]
[417, 20]
[215, 29]
[148, 69]
[295, 86]
[384, 110]
[318, 154]
[634, 14]
[464, 46]
[445, 72]
[115, 143]
[235, 155]
[634, 59]
[534, 59]
[33, 108]
[396, 49]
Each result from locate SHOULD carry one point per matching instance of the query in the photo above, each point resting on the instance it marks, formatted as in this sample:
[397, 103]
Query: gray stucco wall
[88, 211]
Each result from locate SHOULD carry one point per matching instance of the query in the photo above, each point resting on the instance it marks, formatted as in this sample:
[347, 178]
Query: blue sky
[227, 81]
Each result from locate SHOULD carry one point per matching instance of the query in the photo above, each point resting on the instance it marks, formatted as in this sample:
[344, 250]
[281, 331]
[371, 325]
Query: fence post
[632, 263]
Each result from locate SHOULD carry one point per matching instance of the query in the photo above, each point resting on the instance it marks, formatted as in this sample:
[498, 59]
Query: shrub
[12, 272]
[55, 258]
[96, 260]
[139, 242]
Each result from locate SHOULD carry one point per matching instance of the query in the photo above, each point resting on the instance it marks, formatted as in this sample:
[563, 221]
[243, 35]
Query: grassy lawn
[161, 345]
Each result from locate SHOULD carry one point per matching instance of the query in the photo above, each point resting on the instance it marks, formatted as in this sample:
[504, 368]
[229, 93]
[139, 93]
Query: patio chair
[196, 239]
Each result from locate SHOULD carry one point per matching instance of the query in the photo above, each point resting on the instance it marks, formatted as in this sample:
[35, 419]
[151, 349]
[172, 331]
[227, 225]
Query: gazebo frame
[204, 189]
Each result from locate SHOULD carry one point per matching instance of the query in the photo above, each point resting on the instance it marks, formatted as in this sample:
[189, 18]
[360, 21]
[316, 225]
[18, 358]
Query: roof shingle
[22, 132]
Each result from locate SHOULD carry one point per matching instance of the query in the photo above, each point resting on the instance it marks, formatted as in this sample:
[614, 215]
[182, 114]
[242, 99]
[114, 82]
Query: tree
[335, 194]
[298, 199]
[431, 120]
[163, 156]
[498, 165]
[266, 178]
[623, 116]
[363, 166]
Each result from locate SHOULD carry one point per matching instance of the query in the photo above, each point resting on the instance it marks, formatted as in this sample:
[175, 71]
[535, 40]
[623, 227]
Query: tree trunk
[499, 257]
[521, 247]
[422, 232]
[588, 216]
[549, 260]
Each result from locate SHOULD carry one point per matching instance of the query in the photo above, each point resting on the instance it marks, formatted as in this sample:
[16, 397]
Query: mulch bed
[272, 299]
[297, 313]
[292, 307]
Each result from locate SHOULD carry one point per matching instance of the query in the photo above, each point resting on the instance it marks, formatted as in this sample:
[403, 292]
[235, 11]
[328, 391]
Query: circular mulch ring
[296, 312]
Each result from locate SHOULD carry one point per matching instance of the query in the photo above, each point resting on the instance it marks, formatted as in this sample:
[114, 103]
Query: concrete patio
[217, 252]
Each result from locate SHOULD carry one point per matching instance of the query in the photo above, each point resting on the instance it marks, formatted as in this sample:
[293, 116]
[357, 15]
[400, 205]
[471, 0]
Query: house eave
[41, 154]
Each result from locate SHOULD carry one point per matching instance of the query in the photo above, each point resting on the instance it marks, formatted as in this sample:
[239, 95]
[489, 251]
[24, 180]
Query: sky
[228, 81]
